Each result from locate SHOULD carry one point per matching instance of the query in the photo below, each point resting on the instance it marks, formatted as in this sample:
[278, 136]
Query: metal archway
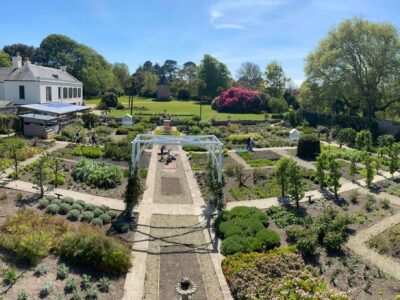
[208, 142]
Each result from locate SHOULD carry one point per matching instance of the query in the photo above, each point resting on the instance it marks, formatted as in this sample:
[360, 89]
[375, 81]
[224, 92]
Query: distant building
[294, 135]
[127, 120]
[28, 83]
[163, 89]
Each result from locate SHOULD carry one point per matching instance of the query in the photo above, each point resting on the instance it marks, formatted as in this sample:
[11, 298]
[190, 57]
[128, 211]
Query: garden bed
[390, 186]
[260, 158]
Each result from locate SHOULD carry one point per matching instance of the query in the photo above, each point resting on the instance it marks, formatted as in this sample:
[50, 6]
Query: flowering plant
[239, 100]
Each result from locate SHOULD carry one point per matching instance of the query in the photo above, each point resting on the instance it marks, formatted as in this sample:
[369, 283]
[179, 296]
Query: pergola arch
[208, 142]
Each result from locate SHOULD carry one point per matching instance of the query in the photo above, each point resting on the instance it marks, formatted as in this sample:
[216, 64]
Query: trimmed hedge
[308, 147]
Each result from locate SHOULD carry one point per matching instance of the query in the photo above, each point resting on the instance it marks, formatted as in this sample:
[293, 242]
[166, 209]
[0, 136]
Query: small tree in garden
[394, 158]
[109, 99]
[41, 173]
[282, 174]
[364, 140]
[353, 166]
[386, 141]
[13, 148]
[296, 185]
[321, 166]
[240, 174]
[346, 136]
[57, 164]
[134, 190]
[334, 176]
[370, 170]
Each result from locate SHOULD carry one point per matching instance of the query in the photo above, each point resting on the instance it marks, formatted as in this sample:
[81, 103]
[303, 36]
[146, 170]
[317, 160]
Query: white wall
[32, 95]
[35, 92]
[2, 91]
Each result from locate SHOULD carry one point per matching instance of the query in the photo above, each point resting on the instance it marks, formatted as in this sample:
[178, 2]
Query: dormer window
[55, 76]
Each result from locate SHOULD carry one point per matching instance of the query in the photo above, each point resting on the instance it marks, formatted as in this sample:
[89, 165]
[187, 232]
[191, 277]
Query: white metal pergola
[208, 142]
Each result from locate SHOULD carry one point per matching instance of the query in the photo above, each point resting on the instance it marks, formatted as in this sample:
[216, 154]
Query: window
[48, 93]
[70, 93]
[59, 92]
[75, 92]
[65, 93]
[79, 93]
[21, 92]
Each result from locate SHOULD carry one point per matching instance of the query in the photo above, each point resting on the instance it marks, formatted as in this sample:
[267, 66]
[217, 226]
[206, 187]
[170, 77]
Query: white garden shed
[127, 120]
[294, 135]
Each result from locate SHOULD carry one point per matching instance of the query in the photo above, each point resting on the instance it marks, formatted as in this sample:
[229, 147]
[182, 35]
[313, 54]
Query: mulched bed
[265, 154]
[177, 262]
[170, 186]
[345, 270]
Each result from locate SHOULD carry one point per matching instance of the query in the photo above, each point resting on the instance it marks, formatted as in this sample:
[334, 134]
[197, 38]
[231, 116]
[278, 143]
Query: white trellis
[208, 142]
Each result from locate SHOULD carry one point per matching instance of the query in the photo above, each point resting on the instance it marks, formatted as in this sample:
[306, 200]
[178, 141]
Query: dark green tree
[134, 191]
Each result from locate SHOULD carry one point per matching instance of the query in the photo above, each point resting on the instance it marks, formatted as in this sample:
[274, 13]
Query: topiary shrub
[90, 246]
[87, 216]
[43, 203]
[68, 200]
[105, 218]
[64, 208]
[104, 208]
[77, 206]
[50, 197]
[308, 147]
[268, 239]
[73, 215]
[56, 202]
[81, 203]
[52, 209]
[97, 222]
[98, 212]
[90, 207]
[113, 214]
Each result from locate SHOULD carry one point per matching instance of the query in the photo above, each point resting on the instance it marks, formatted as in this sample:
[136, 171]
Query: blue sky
[233, 31]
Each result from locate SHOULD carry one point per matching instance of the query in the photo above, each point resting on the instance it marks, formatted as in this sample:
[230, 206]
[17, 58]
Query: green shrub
[308, 147]
[43, 203]
[76, 296]
[62, 272]
[98, 175]
[307, 244]
[70, 285]
[113, 214]
[76, 206]
[86, 281]
[104, 208]
[92, 247]
[91, 293]
[122, 130]
[98, 212]
[385, 203]
[333, 241]
[68, 200]
[52, 209]
[97, 222]
[41, 269]
[87, 151]
[294, 232]
[105, 218]
[81, 203]
[22, 295]
[87, 216]
[10, 276]
[90, 207]
[64, 208]
[73, 215]
[268, 239]
[46, 289]
[56, 202]
[50, 197]
[242, 138]
[34, 247]
[104, 284]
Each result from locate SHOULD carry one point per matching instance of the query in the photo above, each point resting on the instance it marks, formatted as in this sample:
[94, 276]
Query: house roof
[294, 130]
[6, 103]
[38, 117]
[56, 108]
[32, 72]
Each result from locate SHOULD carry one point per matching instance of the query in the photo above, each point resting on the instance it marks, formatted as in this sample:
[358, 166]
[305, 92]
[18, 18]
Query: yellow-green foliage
[242, 138]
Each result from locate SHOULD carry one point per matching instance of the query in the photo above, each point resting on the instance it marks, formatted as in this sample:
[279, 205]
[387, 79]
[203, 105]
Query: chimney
[63, 68]
[16, 61]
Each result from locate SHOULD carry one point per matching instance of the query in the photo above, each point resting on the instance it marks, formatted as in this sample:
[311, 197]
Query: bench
[58, 195]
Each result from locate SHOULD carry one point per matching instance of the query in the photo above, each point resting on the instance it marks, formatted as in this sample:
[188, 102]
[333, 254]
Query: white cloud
[239, 14]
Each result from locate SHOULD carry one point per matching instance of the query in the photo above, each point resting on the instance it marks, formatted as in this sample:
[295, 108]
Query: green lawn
[176, 107]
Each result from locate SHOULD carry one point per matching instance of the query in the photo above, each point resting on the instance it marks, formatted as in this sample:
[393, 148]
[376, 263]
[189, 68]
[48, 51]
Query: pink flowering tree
[239, 100]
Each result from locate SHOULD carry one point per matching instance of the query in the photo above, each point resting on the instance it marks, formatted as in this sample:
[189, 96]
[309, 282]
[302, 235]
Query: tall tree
[296, 185]
[121, 71]
[13, 147]
[275, 79]
[149, 87]
[134, 190]
[358, 63]
[249, 76]
[170, 68]
[214, 75]
[25, 51]
[5, 60]
[41, 173]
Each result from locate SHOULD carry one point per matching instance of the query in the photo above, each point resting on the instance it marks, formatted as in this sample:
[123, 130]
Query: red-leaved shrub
[238, 100]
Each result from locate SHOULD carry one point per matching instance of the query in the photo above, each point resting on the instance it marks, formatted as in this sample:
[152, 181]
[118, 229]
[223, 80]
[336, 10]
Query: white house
[294, 135]
[28, 83]
[127, 120]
